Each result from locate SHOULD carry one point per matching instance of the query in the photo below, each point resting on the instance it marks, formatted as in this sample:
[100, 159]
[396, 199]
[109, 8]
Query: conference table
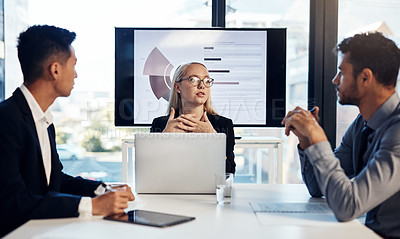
[239, 219]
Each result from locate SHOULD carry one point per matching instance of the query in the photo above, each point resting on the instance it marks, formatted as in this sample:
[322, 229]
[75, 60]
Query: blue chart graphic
[158, 68]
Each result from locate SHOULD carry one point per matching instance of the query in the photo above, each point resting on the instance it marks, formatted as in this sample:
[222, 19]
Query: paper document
[296, 214]
[290, 207]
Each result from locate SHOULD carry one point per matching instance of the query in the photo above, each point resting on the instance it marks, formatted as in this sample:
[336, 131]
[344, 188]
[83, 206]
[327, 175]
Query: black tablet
[149, 218]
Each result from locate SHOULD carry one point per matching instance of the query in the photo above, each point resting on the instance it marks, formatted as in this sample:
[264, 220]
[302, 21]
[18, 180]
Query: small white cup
[223, 187]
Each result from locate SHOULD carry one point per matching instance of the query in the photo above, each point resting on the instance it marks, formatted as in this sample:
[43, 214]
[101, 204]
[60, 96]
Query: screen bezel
[276, 67]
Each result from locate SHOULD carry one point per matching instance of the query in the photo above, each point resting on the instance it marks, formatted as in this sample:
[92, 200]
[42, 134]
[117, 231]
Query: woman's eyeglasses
[195, 81]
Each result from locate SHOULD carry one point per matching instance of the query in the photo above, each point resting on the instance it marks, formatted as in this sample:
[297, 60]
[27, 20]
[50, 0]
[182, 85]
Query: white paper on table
[296, 214]
[295, 207]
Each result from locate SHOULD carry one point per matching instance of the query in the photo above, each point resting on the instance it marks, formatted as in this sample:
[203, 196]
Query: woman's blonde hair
[175, 100]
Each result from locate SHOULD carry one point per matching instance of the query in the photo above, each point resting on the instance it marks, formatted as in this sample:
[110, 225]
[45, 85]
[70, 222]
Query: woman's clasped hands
[186, 123]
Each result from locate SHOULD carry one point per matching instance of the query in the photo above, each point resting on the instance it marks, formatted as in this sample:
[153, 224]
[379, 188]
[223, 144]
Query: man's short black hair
[374, 51]
[39, 44]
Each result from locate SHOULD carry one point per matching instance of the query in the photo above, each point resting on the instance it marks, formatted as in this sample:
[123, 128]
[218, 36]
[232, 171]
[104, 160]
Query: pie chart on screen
[158, 68]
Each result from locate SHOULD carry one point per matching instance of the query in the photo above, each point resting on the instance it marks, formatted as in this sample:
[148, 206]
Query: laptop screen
[178, 162]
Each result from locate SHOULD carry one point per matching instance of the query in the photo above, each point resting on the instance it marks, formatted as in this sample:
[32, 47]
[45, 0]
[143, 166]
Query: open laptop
[182, 163]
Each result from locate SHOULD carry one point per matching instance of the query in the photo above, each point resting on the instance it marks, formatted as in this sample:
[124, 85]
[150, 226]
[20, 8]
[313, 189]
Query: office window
[2, 50]
[357, 16]
[293, 15]
[15, 21]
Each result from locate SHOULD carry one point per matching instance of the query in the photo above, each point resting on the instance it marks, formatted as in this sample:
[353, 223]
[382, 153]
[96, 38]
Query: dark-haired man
[33, 184]
[363, 174]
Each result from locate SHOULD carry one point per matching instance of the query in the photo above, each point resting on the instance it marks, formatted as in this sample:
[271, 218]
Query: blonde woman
[191, 111]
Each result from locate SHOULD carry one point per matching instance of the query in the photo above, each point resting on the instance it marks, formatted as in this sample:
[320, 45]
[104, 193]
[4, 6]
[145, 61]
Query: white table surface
[235, 220]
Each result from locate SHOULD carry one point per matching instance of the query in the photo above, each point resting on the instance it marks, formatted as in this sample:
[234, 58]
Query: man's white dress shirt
[42, 121]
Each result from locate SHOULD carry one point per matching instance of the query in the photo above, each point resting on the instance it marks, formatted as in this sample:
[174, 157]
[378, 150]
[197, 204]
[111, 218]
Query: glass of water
[223, 185]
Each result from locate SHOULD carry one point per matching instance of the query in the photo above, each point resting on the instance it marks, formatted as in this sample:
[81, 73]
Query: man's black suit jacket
[220, 124]
[24, 193]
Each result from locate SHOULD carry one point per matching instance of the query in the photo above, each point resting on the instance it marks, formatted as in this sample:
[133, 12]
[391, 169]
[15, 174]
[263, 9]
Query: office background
[90, 145]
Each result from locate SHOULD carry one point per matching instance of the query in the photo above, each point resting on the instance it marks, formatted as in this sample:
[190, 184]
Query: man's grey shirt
[376, 189]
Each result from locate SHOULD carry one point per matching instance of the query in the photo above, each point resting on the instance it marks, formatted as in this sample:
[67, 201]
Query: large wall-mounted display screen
[248, 65]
